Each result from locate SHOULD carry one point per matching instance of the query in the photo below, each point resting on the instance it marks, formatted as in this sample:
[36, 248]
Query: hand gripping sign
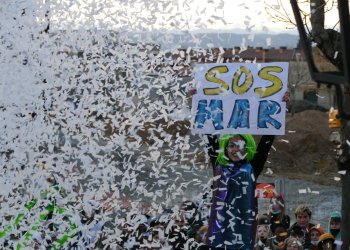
[240, 98]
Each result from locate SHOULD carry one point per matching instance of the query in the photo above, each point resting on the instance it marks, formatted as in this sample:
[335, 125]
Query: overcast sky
[165, 15]
[175, 15]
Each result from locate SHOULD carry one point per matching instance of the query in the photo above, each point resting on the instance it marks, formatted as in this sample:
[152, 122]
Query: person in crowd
[177, 228]
[233, 210]
[334, 227]
[326, 242]
[202, 237]
[183, 225]
[126, 231]
[292, 243]
[263, 238]
[303, 224]
[314, 235]
[299, 233]
[190, 214]
[277, 211]
[154, 237]
[280, 234]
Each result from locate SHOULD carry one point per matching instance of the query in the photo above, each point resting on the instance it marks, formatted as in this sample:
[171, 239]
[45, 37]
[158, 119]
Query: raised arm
[262, 153]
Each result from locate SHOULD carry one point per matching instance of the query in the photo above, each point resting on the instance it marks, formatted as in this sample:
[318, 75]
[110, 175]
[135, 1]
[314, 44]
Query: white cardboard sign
[240, 98]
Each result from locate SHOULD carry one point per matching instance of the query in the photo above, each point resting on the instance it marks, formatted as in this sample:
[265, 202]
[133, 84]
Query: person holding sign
[240, 98]
[234, 101]
[237, 162]
[233, 211]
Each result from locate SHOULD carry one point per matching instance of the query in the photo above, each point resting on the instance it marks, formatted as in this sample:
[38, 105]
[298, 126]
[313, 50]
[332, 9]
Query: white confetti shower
[94, 119]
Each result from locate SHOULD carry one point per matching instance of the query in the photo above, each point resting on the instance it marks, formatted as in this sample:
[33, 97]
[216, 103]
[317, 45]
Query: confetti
[302, 191]
[269, 171]
[342, 172]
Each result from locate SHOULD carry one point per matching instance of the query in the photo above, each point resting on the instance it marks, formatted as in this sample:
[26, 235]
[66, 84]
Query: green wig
[250, 147]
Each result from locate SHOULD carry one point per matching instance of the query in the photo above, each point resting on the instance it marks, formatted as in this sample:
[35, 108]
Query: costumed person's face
[275, 206]
[303, 220]
[236, 149]
[334, 224]
[314, 235]
[262, 232]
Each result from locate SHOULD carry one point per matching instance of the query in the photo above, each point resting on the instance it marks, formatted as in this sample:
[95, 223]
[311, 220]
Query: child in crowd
[326, 242]
[299, 233]
[192, 218]
[277, 211]
[292, 243]
[314, 234]
[280, 235]
[334, 227]
[302, 225]
[202, 237]
[263, 238]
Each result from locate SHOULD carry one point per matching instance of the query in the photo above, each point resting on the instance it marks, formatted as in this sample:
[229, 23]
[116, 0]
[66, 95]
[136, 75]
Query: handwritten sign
[240, 98]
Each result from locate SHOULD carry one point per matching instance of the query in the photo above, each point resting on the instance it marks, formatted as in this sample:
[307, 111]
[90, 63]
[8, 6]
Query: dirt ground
[305, 151]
